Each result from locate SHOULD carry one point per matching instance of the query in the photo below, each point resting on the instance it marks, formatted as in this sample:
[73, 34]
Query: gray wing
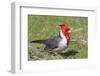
[52, 43]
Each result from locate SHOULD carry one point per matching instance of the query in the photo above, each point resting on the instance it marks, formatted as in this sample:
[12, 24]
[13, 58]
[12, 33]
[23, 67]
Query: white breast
[63, 42]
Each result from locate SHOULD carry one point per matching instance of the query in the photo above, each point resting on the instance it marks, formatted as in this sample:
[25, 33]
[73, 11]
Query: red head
[65, 28]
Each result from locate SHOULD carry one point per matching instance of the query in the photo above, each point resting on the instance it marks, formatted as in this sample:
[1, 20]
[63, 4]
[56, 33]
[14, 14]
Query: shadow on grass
[70, 52]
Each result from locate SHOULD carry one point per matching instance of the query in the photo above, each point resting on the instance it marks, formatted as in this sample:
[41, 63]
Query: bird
[58, 43]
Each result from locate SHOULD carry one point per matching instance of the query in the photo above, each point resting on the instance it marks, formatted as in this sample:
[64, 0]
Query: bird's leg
[52, 49]
[54, 53]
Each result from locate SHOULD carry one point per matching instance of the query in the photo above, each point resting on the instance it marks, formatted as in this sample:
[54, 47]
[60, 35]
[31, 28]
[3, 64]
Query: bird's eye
[66, 30]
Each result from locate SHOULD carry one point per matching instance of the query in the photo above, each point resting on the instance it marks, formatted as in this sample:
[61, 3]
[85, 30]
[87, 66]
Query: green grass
[44, 27]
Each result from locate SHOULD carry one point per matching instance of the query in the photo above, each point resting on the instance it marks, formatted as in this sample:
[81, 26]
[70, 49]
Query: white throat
[63, 37]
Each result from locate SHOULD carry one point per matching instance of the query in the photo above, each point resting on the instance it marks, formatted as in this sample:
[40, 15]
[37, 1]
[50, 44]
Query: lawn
[44, 27]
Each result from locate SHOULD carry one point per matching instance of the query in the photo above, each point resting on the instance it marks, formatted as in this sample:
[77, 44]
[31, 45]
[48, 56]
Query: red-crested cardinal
[58, 43]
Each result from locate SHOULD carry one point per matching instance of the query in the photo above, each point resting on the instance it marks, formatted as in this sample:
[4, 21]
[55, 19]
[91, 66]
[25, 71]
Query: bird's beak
[70, 29]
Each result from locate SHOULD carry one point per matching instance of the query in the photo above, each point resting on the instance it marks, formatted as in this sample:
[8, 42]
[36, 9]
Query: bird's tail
[38, 41]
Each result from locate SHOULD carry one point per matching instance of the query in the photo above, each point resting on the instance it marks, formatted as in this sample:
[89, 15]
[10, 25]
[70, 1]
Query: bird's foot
[53, 53]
